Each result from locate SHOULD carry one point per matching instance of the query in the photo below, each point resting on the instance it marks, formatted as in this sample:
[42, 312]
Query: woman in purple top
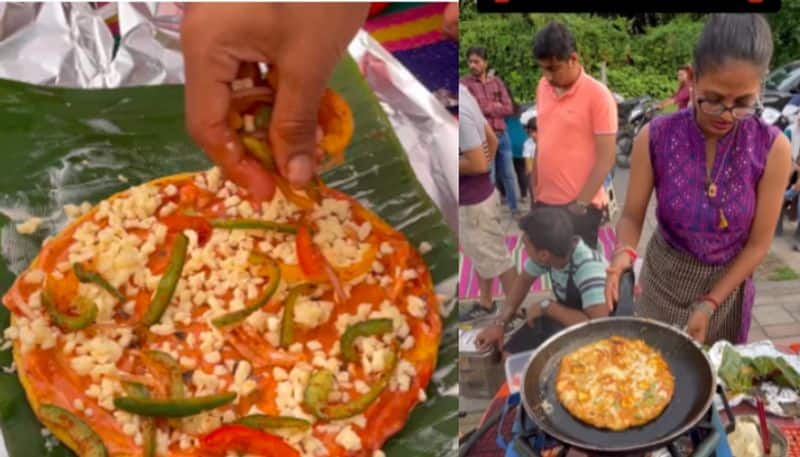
[718, 173]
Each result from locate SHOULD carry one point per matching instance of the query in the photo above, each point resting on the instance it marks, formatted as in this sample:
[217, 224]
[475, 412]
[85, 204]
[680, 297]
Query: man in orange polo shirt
[577, 120]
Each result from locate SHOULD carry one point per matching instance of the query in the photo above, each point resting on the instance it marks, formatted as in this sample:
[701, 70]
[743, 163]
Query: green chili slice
[80, 433]
[168, 283]
[264, 422]
[235, 317]
[364, 328]
[86, 276]
[173, 407]
[248, 224]
[87, 312]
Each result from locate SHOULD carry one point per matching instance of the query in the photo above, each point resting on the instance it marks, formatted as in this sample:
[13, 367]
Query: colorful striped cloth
[469, 288]
[414, 37]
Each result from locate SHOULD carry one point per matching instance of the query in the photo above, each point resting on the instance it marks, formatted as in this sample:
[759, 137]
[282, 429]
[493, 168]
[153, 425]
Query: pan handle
[709, 445]
[625, 303]
[731, 418]
[523, 449]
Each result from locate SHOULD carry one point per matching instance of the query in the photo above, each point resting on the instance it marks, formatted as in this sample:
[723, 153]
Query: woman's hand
[620, 263]
[699, 319]
[302, 41]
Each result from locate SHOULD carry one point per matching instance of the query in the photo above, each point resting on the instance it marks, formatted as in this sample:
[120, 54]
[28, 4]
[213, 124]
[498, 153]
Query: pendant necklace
[711, 184]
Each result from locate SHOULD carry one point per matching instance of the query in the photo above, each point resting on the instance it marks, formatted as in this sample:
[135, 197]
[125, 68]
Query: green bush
[637, 63]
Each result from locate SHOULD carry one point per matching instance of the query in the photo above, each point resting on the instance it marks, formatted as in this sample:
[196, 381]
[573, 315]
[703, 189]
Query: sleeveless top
[688, 219]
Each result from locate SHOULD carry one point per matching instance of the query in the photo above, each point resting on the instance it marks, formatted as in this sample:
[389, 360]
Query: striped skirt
[672, 280]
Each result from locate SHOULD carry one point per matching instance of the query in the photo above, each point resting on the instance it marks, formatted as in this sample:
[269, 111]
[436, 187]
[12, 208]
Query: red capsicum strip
[240, 438]
[181, 222]
[309, 256]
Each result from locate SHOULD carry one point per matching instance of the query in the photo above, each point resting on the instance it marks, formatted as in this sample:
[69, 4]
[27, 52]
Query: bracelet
[711, 300]
[627, 250]
[706, 307]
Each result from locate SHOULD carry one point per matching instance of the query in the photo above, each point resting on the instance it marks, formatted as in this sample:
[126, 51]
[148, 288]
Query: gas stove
[707, 438]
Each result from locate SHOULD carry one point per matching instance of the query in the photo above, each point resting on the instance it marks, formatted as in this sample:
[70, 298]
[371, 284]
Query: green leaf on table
[736, 371]
[788, 376]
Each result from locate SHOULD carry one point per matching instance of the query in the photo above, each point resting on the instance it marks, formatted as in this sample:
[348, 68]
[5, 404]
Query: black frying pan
[695, 383]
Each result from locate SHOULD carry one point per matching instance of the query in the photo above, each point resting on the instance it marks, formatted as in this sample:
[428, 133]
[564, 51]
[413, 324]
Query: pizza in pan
[183, 318]
[615, 383]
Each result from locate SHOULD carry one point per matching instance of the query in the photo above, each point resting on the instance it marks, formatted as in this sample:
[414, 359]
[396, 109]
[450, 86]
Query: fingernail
[299, 170]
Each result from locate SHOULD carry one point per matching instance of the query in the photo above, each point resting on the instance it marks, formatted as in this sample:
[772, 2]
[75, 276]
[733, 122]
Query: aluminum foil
[774, 395]
[70, 45]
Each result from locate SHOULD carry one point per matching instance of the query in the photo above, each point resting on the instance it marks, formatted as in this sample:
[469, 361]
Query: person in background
[575, 152]
[790, 200]
[481, 236]
[218, 38]
[683, 95]
[518, 136]
[495, 103]
[529, 152]
[719, 173]
[578, 275]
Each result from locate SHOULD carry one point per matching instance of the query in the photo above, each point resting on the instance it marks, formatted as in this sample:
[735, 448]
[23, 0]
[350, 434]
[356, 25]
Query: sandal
[477, 311]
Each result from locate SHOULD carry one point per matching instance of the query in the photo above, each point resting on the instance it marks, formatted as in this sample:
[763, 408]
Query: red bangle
[711, 300]
[628, 250]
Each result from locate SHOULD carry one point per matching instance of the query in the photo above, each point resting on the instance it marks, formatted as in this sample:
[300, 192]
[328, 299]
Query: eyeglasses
[718, 108]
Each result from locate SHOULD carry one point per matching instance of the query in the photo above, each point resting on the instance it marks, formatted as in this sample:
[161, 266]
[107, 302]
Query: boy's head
[531, 128]
[548, 235]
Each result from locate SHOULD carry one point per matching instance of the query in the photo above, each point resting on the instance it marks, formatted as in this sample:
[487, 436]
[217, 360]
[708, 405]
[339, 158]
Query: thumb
[294, 124]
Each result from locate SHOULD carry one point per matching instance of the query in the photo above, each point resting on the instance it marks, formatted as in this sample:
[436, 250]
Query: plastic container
[515, 367]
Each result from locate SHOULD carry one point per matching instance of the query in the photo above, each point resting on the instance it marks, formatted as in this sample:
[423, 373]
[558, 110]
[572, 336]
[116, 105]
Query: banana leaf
[736, 371]
[62, 146]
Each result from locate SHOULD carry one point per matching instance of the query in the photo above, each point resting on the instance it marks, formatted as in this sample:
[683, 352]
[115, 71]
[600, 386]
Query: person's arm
[504, 107]
[521, 288]
[667, 102]
[478, 160]
[590, 280]
[629, 227]
[491, 142]
[569, 316]
[768, 207]
[604, 127]
[473, 161]
[606, 146]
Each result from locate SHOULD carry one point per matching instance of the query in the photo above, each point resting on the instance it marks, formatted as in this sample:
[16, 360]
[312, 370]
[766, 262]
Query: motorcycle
[640, 111]
[780, 119]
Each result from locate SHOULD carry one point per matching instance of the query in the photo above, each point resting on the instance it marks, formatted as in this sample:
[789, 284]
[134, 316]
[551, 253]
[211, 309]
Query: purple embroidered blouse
[688, 219]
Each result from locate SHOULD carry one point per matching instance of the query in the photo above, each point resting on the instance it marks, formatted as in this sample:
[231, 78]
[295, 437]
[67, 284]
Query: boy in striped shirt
[577, 273]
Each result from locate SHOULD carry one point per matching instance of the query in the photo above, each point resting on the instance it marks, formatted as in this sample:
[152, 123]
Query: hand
[490, 336]
[534, 312]
[697, 325]
[450, 21]
[797, 185]
[621, 262]
[577, 209]
[302, 41]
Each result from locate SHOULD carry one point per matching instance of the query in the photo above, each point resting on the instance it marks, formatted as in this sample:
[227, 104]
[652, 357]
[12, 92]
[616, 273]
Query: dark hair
[554, 41]
[531, 125]
[479, 51]
[744, 37]
[549, 229]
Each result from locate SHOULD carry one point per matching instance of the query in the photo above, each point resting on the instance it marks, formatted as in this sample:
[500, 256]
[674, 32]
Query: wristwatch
[544, 304]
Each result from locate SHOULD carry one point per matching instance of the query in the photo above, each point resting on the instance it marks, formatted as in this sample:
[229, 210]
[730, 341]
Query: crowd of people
[717, 171]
